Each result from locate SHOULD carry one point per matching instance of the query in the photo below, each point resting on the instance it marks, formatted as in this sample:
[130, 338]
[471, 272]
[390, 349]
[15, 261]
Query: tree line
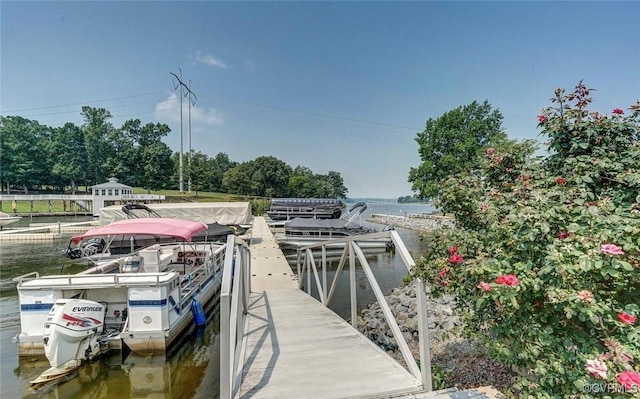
[35, 156]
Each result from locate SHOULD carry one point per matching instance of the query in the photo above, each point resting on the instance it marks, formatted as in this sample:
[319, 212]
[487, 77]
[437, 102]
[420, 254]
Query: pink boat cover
[165, 227]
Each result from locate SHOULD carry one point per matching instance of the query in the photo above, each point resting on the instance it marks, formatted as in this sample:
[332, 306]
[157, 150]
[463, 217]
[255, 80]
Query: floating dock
[45, 231]
[295, 347]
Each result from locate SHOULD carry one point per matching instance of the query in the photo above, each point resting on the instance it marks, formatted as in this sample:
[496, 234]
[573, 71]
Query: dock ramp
[278, 341]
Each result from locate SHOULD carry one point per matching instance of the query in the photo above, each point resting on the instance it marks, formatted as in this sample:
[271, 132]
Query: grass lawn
[170, 196]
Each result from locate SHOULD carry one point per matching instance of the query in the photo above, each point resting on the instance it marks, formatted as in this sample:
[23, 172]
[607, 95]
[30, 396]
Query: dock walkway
[297, 348]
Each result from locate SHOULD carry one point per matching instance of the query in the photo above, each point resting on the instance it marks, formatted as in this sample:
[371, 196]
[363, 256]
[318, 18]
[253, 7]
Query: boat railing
[306, 266]
[27, 276]
[96, 280]
[234, 302]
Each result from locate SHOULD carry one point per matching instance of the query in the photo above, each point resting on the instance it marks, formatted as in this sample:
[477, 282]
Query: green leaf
[573, 227]
[626, 265]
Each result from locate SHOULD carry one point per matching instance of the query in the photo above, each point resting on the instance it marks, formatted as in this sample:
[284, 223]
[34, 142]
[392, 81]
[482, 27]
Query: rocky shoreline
[421, 222]
[456, 362]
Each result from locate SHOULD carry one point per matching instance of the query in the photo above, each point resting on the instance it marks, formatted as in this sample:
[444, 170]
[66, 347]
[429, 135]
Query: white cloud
[201, 118]
[210, 59]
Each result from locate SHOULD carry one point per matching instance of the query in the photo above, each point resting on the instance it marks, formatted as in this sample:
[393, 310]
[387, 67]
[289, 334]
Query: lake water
[191, 370]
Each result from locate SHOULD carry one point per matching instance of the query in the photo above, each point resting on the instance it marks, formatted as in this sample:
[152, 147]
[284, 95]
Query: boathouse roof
[112, 183]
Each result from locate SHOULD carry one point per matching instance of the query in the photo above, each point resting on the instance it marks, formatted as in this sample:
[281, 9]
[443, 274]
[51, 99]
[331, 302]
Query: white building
[112, 193]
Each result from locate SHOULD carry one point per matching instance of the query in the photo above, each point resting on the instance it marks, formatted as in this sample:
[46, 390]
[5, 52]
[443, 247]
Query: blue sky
[341, 86]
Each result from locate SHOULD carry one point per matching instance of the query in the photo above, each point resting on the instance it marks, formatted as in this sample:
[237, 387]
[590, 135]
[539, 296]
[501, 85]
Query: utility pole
[182, 94]
[191, 102]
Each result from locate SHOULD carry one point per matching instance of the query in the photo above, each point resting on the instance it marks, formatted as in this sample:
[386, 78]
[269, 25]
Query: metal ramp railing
[234, 304]
[306, 266]
[236, 289]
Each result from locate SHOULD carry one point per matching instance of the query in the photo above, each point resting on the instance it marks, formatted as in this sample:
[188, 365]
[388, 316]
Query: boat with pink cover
[140, 301]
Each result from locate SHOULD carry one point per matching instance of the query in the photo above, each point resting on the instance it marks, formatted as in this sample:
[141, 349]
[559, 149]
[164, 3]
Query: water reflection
[179, 374]
[387, 267]
[190, 370]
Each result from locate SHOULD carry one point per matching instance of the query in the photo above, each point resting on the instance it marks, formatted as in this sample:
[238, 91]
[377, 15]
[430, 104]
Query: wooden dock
[294, 347]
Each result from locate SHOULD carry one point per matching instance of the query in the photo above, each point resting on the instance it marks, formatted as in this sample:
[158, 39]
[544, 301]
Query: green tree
[96, 128]
[139, 157]
[452, 142]
[69, 156]
[237, 180]
[265, 176]
[336, 185]
[270, 177]
[544, 259]
[301, 182]
[121, 158]
[157, 166]
[24, 152]
[220, 164]
[202, 171]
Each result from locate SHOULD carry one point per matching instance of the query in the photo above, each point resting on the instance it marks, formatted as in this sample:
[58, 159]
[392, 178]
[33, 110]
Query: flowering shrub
[546, 266]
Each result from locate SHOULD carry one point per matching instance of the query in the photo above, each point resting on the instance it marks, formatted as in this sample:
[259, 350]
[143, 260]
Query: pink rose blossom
[618, 111]
[442, 272]
[564, 234]
[507, 279]
[626, 318]
[561, 181]
[611, 249]
[597, 368]
[585, 296]
[453, 250]
[542, 118]
[484, 286]
[628, 379]
[456, 258]
[490, 152]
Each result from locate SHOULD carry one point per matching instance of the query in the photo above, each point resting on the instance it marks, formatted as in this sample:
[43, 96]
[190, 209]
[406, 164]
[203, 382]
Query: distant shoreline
[418, 222]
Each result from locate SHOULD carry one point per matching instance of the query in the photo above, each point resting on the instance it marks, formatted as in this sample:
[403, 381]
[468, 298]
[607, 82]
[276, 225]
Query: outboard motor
[71, 336]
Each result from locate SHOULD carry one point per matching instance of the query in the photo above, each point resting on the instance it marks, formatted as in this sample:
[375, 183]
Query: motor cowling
[72, 329]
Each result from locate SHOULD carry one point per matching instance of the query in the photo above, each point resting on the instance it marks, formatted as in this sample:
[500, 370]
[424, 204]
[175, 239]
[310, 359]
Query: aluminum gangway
[278, 341]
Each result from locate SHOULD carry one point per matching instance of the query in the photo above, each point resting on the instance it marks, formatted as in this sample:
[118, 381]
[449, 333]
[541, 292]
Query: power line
[187, 92]
[318, 114]
[76, 111]
[82, 103]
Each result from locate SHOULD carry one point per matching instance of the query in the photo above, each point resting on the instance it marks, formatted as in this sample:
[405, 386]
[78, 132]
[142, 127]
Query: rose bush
[547, 251]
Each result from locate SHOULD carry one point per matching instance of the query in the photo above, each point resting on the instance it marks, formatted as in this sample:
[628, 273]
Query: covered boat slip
[225, 213]
[319, 208]
[300, 232]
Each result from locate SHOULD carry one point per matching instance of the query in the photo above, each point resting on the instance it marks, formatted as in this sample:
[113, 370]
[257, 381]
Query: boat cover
[316, 224]
[226, 213]
[184, 229]
[277, 203]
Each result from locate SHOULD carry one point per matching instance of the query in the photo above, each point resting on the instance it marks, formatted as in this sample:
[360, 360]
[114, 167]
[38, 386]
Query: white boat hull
[146, 311]
[5, 221]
